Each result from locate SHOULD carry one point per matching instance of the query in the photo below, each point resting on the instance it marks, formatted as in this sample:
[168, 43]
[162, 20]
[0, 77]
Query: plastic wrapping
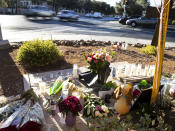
[9, 109]
[35, 114]
[19, 112]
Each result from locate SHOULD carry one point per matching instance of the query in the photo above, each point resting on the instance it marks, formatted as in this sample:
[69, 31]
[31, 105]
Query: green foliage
[134, 7]
[173, 22]
[145, 123]
[149, 50]
[38, 53]
[143, 84]
[84, 5]
[145, 118]
[110, 85]
[3, 3]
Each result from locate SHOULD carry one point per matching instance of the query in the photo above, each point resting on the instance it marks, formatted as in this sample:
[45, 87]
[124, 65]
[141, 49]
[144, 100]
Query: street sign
[161, 46]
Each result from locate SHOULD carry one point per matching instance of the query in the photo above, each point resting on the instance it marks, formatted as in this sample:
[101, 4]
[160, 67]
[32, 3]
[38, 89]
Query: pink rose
[95, 60]
[89, 59]
[87, 55]
[108, 58]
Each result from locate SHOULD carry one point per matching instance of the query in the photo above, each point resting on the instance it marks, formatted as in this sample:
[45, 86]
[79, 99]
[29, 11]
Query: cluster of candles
[129, 70]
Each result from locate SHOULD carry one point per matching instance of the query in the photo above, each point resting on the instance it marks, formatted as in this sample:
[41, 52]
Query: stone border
[78, 43]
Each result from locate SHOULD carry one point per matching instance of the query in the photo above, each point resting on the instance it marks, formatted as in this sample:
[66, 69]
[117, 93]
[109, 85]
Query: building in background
[25, 3]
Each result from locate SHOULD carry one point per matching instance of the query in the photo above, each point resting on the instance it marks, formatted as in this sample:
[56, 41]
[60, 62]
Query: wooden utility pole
[161, 46]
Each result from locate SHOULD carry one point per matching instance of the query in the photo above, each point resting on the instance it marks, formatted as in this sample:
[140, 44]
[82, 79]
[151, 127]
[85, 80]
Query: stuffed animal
[124, 96]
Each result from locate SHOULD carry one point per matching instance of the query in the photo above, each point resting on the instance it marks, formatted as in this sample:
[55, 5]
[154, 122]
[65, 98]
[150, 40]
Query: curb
[4, 44]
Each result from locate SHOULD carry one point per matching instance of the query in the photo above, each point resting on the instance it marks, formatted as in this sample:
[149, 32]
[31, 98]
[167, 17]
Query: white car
[38, 10]
[68, 15]
[117, 17]
[97, 15]
[89, 15]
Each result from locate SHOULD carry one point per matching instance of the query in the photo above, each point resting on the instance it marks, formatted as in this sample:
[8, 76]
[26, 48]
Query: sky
[112, 2]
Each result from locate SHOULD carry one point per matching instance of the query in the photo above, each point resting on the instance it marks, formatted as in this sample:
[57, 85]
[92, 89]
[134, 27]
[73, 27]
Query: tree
[134, 7]
[3, 4]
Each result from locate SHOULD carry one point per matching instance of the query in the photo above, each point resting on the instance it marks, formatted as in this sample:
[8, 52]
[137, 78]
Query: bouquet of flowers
[95, 107]
[71, 104]
[98, 60]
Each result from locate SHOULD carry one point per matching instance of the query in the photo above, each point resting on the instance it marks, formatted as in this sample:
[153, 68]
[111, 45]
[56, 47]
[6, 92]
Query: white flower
[105, 109]
[98, 114]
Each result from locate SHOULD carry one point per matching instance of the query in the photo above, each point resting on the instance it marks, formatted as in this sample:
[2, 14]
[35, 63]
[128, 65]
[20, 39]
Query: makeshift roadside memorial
[124, 96]
[70, 107]
[95, 107]
[99, 62]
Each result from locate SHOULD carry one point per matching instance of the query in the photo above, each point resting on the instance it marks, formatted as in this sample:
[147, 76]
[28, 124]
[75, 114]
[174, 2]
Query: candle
[42, 86]
[75, 71]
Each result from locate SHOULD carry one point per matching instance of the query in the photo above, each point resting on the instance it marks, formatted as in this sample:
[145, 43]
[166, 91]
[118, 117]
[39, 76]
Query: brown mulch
[11, 71]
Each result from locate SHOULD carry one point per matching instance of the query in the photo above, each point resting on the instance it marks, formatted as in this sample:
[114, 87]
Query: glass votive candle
[75, 71]
[42, 86]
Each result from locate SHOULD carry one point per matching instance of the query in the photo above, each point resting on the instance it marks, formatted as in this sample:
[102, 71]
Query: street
[18, 28]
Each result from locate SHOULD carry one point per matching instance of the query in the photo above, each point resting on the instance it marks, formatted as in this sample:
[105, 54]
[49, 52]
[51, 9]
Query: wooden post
[161, 46]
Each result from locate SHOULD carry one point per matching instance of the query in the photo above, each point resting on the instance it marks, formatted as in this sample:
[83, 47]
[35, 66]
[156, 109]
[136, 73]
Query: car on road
[67, 15]
[38, 10]
[97, 15]
[142, 21]
[88, 15]
[124, 19]
[117, 17]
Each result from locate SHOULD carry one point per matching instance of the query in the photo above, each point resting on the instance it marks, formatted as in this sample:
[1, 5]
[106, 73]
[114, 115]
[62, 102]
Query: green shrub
[149, 50]
[38, 53]
[173, 22]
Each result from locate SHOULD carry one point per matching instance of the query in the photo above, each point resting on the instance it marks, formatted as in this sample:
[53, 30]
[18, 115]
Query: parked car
[124, 19]
[68, 15]
[142, 21]
[38, 10]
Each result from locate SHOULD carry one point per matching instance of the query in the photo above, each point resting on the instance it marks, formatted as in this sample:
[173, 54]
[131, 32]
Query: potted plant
[99, 62]
[70, 107]
[107, 89]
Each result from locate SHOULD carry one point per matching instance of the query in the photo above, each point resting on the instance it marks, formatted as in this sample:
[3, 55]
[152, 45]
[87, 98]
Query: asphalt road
[19, 28]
